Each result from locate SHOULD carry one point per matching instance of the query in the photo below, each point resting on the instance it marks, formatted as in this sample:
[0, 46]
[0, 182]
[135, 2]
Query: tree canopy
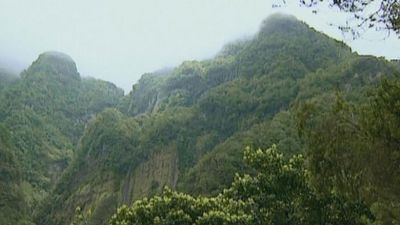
[277, 192]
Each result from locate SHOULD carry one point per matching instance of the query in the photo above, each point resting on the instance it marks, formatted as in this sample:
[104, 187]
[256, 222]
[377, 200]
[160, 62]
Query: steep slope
[46, 111]
[12, 205]
[186, 127]
[283, 43]
[396, 63]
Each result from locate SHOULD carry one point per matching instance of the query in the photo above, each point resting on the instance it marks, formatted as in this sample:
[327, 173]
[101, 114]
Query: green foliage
[191, 123]
[80, 217]
[108, 136]
[353, 148]
[46, 110]
[278, 193]
[348, 77]
[12, 207]
[216, 169]
[312, 49]
[79, 141]
[396, 63]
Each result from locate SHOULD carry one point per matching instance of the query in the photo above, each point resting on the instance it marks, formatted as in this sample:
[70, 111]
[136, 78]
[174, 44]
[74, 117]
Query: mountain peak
[56, 55]
[281, 23]
[56, 63]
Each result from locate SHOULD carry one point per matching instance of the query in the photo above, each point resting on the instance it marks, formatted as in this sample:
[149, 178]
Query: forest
[289, 126]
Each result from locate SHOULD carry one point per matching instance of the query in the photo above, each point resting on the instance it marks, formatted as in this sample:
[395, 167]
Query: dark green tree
[353, 149]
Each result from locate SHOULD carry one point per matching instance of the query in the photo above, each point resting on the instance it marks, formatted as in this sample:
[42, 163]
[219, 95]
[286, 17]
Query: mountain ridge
[81, 142]
[199, 112]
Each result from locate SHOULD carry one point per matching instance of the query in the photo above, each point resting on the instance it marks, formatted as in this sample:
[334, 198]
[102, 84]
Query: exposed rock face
[151, 176]
[145, 95]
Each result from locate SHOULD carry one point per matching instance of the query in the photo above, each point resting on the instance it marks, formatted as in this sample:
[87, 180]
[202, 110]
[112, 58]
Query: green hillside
[45, 111]
[319, 124]
[12, 204]
[186, 128]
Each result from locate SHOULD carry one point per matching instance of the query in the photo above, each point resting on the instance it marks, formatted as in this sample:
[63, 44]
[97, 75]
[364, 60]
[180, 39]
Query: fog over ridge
[119, 41]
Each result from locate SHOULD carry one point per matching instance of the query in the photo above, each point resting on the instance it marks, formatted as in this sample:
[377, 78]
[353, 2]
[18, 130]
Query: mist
[118, 41]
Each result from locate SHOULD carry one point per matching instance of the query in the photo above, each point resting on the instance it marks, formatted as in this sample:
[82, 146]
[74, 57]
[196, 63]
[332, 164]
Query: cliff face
[152, 175]
[104, 192]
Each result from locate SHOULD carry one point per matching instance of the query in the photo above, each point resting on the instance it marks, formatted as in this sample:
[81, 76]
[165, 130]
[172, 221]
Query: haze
[120, 40]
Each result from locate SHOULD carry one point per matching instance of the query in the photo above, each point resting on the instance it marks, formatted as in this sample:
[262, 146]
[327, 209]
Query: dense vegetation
[331, 115]
[278, 193]
[44, 112]
[12, 208]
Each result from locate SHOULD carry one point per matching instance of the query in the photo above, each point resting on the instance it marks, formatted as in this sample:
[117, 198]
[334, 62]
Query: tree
[382, 15]
[364, 14]
[353, 148]
[276, 193]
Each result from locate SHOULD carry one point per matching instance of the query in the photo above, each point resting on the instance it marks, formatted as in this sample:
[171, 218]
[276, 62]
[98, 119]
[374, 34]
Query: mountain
[185, 128]
[396, 63]
[45, 112]
[70, 142]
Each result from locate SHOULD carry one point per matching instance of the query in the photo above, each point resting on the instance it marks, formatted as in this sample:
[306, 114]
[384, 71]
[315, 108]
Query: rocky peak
[55, 63]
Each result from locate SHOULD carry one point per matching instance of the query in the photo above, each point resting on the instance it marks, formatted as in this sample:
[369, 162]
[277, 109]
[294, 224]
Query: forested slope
[186, 128]
[44, 112]
[73, 141]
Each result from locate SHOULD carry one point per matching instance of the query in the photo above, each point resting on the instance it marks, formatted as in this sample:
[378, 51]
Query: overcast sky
[120, 40]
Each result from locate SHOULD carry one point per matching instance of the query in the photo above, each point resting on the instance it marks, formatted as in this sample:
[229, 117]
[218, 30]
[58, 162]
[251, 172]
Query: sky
[120, 40]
